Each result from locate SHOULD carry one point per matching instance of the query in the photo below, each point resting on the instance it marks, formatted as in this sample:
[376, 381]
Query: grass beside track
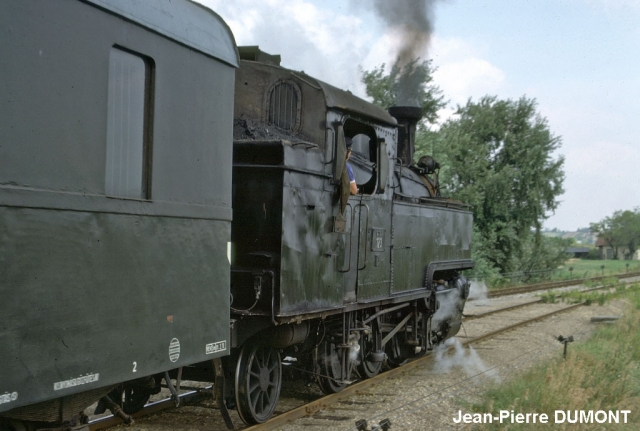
[583, 268]
[573, 269]
[602, 373]
[616, 289]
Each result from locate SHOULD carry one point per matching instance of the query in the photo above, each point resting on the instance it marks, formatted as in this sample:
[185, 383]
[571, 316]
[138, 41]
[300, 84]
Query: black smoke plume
[413, 19]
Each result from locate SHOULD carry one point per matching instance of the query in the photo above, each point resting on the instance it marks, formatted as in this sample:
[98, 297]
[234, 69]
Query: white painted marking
[81, 380]
[219, 346]
[174, 350]
[8, 397]
[229, 251]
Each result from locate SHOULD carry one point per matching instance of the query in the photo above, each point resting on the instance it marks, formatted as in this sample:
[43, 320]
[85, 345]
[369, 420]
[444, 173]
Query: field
[572, 269]
[583, 268]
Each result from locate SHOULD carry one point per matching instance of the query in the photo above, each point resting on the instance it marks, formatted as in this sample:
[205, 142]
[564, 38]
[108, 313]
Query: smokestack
[408, 117]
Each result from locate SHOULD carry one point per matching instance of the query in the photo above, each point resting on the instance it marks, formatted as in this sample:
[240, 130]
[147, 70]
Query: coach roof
[181, 20]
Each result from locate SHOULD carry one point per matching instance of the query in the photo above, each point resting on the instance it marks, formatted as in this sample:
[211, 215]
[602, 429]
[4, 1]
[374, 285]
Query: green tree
[541, 255]
[495, 155]
[621, 231]
[499, 159]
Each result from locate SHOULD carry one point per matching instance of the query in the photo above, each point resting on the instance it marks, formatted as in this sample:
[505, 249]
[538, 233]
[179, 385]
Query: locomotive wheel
[368, 344]
[258, 382]
[330, 379]
[398, 352]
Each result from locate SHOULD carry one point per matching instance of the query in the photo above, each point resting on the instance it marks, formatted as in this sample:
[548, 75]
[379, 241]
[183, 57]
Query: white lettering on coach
[8, 397]
[82, 380]
[220, 346]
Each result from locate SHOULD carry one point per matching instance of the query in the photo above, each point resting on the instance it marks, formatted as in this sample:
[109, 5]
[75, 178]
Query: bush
[594, 254]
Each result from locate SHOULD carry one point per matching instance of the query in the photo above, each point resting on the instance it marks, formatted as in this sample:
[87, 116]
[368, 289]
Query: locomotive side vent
[283, 109]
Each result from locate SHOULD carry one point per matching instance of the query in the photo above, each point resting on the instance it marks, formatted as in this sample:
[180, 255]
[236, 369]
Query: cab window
[363, 154]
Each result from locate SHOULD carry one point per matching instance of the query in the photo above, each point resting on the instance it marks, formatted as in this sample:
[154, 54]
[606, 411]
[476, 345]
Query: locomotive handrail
[399, 163]
[448, 201]
[443, 202]
[273, 295]
[366, 230]
[350, 239]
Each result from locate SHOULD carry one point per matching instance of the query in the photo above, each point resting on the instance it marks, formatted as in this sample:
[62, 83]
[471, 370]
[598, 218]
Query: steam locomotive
[174, 207]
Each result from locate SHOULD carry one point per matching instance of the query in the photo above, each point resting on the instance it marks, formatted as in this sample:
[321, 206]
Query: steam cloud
[469, 360]
[448, 307]
[413, 20]
[478, 290]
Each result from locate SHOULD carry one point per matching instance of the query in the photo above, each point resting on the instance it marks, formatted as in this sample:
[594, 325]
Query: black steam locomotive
[121, 262]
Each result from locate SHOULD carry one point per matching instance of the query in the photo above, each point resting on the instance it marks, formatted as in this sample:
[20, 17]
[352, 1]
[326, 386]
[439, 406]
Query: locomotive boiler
[174, 207]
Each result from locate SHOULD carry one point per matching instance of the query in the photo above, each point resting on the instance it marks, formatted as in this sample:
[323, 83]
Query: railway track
[527, 303]
[486, 325]
[554, 284]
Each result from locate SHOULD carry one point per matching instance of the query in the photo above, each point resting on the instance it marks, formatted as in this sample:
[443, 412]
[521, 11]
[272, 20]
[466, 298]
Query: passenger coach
[115, 197]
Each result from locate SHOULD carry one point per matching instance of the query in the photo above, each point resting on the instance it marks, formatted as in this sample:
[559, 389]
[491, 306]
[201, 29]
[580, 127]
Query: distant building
[581, 236]
[606, 252]
[578, 252]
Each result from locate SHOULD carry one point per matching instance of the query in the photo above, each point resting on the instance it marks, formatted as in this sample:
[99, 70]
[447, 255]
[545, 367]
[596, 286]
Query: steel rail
[468, 317]
[553, 284]
[523, 323]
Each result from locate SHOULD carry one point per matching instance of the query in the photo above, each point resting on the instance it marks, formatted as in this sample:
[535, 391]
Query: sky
[579, 59]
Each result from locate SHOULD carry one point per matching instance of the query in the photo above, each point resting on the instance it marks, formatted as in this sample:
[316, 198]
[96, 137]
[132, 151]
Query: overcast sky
[580, 59]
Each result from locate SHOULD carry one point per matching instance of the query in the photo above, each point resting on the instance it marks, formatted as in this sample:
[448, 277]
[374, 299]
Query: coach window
[128, 125]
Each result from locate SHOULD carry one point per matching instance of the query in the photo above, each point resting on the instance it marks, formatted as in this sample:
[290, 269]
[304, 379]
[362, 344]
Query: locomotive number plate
[377, 239]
